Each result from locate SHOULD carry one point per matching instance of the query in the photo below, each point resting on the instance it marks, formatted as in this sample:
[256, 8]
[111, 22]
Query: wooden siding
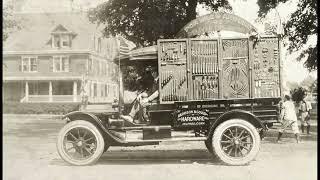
[11, 64]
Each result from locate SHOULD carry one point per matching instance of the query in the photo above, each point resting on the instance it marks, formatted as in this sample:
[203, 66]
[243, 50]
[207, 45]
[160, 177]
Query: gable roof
[60, 28]
[36, 30]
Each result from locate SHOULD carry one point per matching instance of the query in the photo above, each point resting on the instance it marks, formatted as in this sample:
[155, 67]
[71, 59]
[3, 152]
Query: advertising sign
[194, 117]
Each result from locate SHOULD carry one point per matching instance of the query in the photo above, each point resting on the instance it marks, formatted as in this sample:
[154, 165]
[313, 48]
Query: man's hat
[148, 68]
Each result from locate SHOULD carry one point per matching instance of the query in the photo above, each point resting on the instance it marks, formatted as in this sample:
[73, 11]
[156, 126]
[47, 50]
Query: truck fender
[242, 114]
[86, 116]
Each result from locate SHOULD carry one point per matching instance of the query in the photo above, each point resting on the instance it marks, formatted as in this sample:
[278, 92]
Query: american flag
[123, 47]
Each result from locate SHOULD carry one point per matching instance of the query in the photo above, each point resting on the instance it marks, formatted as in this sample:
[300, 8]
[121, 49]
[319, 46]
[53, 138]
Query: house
[59, 57]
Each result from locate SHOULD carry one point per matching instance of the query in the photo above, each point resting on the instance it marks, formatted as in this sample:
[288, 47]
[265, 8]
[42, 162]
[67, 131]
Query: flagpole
[120, 79]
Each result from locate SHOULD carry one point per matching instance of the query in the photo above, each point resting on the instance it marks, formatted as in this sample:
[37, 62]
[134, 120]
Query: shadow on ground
[131, 157]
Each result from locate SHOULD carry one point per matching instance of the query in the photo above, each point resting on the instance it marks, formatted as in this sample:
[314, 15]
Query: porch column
[52, 43]
[50, 91]
[92, 91]
[88, 88]
[27, 92]
[75, 91]
[98, 92]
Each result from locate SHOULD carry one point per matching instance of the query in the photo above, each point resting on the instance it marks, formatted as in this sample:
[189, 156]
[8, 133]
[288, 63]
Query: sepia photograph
[159, 89]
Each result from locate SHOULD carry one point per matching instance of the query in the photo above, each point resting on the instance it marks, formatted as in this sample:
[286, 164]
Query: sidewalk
[33, 115]
[25, 117]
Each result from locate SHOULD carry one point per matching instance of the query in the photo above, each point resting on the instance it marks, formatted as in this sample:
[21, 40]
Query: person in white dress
[288, 118]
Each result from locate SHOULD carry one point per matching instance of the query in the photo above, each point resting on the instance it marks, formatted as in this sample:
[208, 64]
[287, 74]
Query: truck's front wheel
[235, 142]
[80, 143]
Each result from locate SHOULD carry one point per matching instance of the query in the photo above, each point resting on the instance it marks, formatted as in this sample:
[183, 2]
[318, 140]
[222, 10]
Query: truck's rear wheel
[80, 143]
[235, 142]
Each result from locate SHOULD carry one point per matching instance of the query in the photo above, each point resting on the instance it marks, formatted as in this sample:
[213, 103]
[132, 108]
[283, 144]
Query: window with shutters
[60, 64]
[29, 64]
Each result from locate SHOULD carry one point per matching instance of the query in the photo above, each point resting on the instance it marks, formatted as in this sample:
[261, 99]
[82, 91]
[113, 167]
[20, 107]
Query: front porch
[51, 91]
[57, 91]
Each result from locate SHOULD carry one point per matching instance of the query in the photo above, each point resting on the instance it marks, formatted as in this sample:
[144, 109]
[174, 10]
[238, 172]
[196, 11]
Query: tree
[145, 21]
[9, 23]
[314, 86]
[301, 25]
[298, 94]
[307, 82]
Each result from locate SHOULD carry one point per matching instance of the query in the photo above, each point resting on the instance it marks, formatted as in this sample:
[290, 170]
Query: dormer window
[65, 40]
[56, 40]
[61, 40]
[61, 37]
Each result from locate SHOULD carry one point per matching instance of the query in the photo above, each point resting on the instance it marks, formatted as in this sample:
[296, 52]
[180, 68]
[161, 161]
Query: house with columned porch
[59, 57]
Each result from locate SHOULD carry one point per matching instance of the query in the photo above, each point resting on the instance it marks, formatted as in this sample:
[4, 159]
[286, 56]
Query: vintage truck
[222, 91]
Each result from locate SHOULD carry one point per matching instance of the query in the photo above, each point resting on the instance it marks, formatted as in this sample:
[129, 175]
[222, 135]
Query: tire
[238, 148]
[80, 143]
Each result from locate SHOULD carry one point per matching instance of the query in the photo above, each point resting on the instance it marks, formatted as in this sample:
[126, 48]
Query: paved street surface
[30, 154]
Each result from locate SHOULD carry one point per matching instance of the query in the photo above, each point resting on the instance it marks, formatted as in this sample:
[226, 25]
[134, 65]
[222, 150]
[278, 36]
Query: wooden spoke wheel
[235, 142]
[80, 143]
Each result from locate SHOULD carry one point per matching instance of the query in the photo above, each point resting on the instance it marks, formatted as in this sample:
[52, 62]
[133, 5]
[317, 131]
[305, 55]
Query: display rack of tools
[172, 69]
[204, 69]
[266, 68]
[235, 68]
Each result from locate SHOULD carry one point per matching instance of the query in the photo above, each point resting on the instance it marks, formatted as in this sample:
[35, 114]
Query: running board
[168, 139]
[140, 127]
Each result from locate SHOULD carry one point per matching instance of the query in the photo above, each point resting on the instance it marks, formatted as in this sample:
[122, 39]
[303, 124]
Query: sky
[247, 9]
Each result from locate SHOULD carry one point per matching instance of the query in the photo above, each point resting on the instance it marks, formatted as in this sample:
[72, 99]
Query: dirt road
[30, 154]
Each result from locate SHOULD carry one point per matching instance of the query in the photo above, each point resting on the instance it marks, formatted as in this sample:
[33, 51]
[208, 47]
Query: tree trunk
[191, 10]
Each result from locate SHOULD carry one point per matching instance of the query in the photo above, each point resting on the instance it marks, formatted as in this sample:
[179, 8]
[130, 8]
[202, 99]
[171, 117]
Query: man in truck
[150, 83]
[288, 118]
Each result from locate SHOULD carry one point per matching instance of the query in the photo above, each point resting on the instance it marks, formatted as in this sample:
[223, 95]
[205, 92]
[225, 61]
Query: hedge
[38, 108]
